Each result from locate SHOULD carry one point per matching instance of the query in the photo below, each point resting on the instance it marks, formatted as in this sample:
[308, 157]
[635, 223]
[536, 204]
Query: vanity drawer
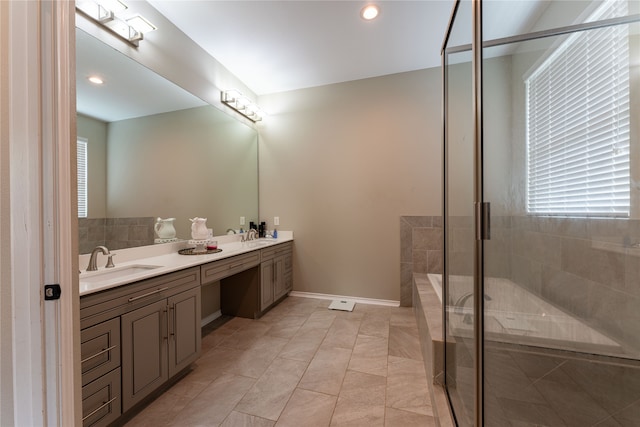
[277, 250]
[217, 270]
[100, 349]
[101, 403]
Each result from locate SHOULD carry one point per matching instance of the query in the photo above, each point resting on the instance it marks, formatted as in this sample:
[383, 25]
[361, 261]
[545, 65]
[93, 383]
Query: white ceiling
[275, 46]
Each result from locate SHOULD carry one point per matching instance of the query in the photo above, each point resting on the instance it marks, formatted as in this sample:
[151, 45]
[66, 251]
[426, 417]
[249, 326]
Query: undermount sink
[115, 273]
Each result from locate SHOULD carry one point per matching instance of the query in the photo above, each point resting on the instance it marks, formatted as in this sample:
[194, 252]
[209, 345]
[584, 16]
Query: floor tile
[238, 419]
[342, 333]
[270, 394]
[370, 355]
[405, 386]
[326, 370]
[303, 345]
[361, 401]
[307, 408]
[214, 403]
[397, 418]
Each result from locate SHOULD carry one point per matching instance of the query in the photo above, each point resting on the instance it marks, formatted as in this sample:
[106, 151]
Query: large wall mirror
[155, 150]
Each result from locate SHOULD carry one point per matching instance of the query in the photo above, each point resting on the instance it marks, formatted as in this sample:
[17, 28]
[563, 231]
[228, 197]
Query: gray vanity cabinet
[134, 338]
[158, 341]
[275, 273]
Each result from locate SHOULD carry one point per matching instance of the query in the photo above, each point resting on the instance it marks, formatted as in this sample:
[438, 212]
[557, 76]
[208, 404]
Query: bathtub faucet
[459, 306]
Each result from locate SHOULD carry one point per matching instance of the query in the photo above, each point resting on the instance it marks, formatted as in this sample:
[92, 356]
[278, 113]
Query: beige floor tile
[254, 361]
[370, 355]
[404, 342]
[303, 345]
[160, 412]
[361, 401]
[307, 408]
[320, 320]
[407, 387]
[215, 362]
[398, 418]
[342, 333]
[270, 394]
[214, 338]
[238, 419]
[246, 336]
[403, 317]
[375, 325]
[326, 370]
[215, 402]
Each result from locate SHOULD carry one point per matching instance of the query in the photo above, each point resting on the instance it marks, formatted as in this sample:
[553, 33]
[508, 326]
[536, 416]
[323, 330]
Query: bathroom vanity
[140, 331]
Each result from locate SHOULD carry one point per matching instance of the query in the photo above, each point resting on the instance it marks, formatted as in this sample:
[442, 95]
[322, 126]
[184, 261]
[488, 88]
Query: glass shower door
[458, 217]
[561, 155]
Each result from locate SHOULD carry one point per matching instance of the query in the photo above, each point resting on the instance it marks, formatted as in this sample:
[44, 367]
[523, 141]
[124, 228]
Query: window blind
[578, 124]
[82, 178]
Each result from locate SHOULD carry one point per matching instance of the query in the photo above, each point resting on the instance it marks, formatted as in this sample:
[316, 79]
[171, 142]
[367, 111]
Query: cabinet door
[279, 286]
[267, 278]
[144, 352]
[184, 329]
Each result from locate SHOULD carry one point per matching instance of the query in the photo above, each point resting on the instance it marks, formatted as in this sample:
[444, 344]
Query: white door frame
[39, 356]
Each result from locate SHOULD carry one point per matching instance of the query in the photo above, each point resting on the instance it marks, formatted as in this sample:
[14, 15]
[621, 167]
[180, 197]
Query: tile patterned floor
[303, 365]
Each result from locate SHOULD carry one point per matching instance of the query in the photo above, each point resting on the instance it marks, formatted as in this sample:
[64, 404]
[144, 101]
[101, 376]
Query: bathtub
[514, 315]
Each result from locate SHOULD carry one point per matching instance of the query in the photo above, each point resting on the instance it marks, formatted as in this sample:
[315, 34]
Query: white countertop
[163, 259]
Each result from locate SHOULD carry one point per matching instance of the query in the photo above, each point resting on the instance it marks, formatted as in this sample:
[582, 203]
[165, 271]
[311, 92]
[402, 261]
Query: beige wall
[340, 164]
[95, 131]
[183, 164]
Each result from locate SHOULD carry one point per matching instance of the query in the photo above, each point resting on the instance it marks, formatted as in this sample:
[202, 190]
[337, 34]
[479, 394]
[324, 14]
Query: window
[82, 178]
[578, 124]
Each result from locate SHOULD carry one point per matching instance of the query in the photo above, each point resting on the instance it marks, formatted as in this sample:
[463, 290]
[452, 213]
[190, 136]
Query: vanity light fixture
[370, 12]
[104, 12]
[141, 24]
[241, 104]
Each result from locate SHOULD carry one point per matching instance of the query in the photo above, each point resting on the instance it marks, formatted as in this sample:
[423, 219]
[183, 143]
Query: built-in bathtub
[515, 315]
[515, 319]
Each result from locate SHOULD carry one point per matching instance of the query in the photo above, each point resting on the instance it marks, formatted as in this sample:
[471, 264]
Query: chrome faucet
[94, 257]
[459, 306]
[250, 235]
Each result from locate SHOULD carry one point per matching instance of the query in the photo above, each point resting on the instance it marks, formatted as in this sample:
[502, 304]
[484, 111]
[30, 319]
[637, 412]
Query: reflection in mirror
[154, 150]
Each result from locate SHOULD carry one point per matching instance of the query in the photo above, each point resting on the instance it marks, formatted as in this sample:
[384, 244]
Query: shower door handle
[483, 221]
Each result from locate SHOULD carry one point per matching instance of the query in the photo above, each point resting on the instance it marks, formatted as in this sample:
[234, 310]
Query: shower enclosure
[541, 282]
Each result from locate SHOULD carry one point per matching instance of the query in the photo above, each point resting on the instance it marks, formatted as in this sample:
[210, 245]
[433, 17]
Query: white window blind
[82, 178]
[578, 124]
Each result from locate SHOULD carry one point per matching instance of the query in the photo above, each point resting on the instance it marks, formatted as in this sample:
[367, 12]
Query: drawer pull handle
[99, 408]
[99, 353]
[148, 294]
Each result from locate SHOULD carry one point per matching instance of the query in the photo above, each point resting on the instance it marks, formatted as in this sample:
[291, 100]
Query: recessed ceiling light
[369, 12]
[95, 80]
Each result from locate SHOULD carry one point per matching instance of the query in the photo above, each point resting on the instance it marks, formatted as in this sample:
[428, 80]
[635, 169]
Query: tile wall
[115, 233]
[420, 251]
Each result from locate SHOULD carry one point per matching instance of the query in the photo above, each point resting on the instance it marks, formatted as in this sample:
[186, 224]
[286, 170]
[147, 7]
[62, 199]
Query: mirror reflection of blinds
[578, 124]
[82, 178]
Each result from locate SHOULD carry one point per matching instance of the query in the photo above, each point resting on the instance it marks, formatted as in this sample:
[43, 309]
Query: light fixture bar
[99, 11]
[241, 104]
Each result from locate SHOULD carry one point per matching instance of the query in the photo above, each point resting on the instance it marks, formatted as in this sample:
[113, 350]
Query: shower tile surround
[420, 251]
[115, 233]
[580, 265]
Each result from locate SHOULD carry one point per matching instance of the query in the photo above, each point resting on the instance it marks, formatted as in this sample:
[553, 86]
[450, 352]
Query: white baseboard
[373, 301]
[210, 318]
